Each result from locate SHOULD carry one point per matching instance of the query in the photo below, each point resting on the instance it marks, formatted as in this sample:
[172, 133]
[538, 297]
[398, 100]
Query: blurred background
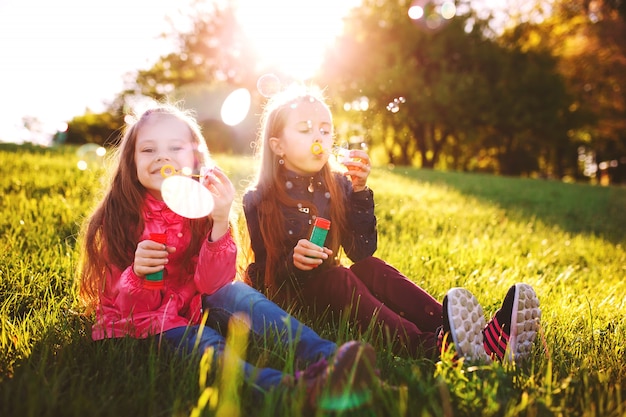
[531, 88]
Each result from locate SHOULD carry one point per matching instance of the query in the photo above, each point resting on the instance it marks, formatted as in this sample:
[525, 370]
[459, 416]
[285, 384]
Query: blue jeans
[266, 320]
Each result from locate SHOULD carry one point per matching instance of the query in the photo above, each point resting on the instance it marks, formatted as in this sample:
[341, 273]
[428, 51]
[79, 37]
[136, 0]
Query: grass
[441, 229]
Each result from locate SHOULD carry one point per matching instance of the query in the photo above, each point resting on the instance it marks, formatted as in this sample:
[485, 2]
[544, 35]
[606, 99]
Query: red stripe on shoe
[495, 339]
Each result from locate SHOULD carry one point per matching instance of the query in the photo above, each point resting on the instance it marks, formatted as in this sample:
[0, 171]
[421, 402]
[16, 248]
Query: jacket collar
[303, 182]
[154, 208]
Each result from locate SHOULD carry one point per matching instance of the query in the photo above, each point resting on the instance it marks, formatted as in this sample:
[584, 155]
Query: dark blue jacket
[358, 241]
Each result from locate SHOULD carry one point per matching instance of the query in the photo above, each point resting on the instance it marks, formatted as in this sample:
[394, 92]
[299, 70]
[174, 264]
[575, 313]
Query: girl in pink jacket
[197, 260]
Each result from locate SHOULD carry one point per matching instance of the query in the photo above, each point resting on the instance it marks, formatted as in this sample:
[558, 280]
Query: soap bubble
[268, 85]
[187, 197]
[394, 106]
[90, 155]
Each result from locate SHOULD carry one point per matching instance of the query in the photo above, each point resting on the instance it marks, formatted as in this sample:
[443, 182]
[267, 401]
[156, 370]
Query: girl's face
[308, 123]
[162, 140]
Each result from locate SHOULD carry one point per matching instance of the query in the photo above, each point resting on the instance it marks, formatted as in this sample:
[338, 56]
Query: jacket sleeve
[217, 264]
[361, 238]
[126, 291]
[256, 270]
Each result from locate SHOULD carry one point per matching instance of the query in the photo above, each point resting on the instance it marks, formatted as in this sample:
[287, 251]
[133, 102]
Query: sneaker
[344, 384]
[463, 323]
[512, 330]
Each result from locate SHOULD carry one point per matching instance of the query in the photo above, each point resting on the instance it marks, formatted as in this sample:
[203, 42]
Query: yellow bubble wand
[340, 153]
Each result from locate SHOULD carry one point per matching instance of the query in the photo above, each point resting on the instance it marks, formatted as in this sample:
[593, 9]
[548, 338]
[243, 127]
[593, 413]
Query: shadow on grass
[68, 374]
[574, 208]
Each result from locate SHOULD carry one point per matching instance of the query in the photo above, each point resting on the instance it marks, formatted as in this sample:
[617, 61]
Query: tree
[215, 50]
[463, 91]
[212, 58]
[100, 128]
[587, 38]
[528, 117]
[387, 58]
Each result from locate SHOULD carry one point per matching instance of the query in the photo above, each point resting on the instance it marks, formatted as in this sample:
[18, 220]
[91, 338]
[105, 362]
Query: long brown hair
[271, 185]
[109, 236]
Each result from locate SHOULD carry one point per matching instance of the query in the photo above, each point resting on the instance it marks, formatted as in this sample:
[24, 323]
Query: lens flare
[432, 14]
[236, 107]
[90, 155]
[394, 105]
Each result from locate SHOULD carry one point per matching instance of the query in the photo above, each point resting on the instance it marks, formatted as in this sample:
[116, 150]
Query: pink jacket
[126, 308]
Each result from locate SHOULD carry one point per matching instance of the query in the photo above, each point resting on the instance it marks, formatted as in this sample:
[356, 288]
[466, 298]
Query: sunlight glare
[293, 35]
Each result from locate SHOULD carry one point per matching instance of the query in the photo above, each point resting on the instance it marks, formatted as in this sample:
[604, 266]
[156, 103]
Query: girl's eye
[324, 132]
[147, 150]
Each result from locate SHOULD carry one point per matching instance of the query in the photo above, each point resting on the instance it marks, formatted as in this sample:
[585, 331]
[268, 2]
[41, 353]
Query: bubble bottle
[320, 230]
[154, 281]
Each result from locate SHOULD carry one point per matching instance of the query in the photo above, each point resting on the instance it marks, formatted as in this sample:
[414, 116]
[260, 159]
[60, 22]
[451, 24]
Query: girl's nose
[163, 157]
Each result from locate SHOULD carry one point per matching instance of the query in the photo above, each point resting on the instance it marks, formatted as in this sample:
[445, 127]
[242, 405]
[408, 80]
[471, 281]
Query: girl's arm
[218, 255]
[223, 195]
[126, 292]
[361, 238]
[217, 264]
[256, 270]
[125, 289]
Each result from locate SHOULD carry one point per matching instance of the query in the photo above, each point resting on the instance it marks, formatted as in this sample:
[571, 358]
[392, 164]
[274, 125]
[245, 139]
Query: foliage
[465, 93]
[520, 100]
[587, 39]
[99, 128]
[214, 50]
[442, 229]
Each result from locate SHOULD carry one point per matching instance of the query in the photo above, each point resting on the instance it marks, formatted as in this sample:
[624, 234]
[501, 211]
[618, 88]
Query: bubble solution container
[154, 281]
[320, 230]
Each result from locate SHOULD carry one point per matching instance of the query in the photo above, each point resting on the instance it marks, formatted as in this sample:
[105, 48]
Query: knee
[237, 291]
[342, 283]
[240, 286]
[209, 337]
[369, 264]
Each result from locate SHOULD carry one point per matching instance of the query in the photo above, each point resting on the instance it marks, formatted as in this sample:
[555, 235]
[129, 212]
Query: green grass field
[441, 229]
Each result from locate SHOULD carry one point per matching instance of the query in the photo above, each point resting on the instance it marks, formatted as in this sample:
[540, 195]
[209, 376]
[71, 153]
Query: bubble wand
[342, 154]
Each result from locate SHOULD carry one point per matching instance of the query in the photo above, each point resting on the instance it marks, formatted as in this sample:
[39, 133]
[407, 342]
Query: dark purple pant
[372, 288]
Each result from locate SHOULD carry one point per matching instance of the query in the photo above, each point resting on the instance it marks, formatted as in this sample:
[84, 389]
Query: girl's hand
[358, 169]
[223, 193]
[307, 255]
[151, 257]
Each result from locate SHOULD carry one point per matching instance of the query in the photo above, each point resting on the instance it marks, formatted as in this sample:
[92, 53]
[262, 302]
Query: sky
[61, 57]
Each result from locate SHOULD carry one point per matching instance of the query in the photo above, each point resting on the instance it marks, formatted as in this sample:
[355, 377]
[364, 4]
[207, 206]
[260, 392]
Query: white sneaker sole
[525, 319]
[467, 322]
